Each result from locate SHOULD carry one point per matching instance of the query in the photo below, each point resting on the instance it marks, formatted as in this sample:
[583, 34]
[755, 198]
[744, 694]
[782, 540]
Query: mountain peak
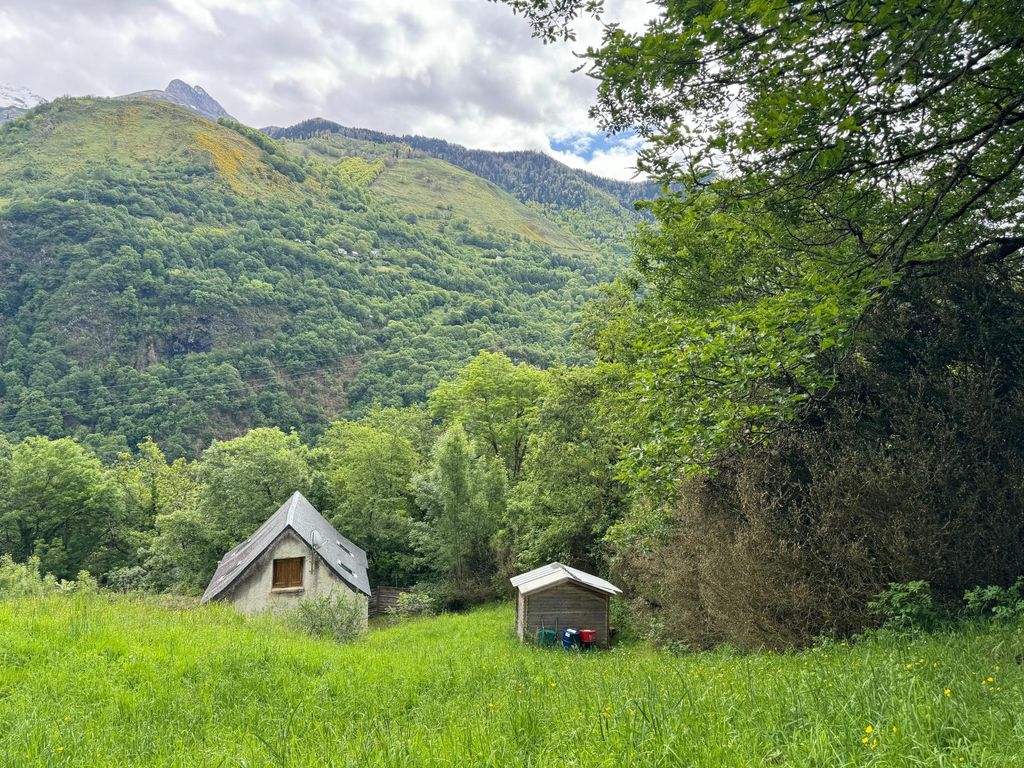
[16, 100]
[191, 96]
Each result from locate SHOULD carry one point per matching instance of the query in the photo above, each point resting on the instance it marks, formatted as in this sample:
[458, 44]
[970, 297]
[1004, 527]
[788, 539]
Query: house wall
[561, 606]
[253, 591]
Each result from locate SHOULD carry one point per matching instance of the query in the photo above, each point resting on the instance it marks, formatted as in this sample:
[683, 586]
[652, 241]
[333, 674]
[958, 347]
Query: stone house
[296, 553]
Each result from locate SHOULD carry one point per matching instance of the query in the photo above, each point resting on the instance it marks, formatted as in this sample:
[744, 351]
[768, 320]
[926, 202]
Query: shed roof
[342, 556]
[556, 573]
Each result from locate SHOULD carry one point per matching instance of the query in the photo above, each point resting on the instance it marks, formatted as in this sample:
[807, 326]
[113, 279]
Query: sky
[463, 70]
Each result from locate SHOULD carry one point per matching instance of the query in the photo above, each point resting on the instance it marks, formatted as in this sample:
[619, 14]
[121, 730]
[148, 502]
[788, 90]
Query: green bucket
[546, 636]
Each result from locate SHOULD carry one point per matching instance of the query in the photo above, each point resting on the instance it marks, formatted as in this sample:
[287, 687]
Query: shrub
[411, 604]
[997, 602]
[22, 579]
[336, 616]
[130, 578]
[906, 605]
[25, 580]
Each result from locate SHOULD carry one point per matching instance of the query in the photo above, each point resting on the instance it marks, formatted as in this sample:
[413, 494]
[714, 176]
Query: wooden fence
[384, 598]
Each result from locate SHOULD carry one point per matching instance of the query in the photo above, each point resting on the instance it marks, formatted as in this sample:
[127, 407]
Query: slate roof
[342, 556]
[556, 573]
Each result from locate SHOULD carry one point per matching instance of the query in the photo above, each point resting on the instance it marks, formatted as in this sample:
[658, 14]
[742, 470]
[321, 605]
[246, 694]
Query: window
[288, 572]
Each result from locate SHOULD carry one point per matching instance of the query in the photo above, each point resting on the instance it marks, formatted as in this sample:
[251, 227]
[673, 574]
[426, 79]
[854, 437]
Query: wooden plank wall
[567, 605]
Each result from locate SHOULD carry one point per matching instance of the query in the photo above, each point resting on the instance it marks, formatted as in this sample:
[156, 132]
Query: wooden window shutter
[288, 572]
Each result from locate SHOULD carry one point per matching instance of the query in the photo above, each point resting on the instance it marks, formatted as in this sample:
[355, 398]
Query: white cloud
[463, 70]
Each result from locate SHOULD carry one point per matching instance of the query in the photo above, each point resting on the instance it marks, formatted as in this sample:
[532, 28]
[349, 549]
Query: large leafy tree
[828, 152]
[60, 506]
[369, 479]
[463, 496]
[496, 401]
[244, 480]
[570, 492]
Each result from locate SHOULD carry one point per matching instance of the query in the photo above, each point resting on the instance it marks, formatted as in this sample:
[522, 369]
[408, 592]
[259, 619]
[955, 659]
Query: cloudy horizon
[467, 71]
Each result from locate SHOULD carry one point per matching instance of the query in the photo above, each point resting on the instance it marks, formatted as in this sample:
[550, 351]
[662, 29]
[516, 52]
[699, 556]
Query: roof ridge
[290, 516]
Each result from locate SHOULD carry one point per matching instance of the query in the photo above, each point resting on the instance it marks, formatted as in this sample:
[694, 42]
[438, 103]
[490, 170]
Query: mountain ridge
[522, 173]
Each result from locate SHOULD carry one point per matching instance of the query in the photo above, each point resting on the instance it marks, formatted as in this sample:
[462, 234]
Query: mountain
[16, 100]
[530, 176]
[191, 96]
[164, 275]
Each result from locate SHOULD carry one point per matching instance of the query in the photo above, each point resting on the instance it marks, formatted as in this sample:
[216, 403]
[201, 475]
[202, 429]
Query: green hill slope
[112, 681]
[163, 275]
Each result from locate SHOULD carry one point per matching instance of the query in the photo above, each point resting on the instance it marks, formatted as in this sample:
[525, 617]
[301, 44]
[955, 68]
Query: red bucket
[588, 635]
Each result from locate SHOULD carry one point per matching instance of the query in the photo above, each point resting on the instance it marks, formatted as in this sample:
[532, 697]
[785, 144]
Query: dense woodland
[805, 393]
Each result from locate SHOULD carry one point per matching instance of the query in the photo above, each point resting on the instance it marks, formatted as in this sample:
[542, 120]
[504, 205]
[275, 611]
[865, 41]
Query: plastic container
[588, 635]
[546, 636]
[570, 637]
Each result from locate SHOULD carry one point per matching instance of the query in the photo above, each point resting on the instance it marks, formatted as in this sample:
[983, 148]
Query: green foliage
[463, 497]
[22, 579]
[998, 602]
[570, 492]
[26, 580]
[332, 616]
[496, 401]
[59, 506]
[409, 604]
[369, 480]
[757, 278]
[906, 605]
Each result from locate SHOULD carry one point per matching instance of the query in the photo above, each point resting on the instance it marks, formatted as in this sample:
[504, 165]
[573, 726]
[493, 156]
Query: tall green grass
[98, 680]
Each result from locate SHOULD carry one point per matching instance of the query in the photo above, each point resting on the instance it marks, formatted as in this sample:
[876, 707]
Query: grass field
[103, 681]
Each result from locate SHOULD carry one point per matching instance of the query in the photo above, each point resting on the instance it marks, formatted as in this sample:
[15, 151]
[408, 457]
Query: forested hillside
[530, 176]
[166, 276]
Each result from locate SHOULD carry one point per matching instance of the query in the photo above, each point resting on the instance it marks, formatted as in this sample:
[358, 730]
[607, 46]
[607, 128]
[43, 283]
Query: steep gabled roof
[555, 573]
[342, 556]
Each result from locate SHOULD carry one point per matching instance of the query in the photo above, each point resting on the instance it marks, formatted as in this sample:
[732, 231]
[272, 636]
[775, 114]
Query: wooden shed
[559, 596]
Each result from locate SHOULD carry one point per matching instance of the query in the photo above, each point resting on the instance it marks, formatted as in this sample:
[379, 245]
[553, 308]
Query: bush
[25, 580]
[997, 602]
[336, 616]
[22, 579]
[906, 605]
[130, 578]
[411, 604]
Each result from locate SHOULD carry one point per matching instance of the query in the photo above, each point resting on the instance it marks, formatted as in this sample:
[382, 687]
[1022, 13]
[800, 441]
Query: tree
[369, 478]
[59, 506]
[495, 400]
[570, 492]
[244, 480]
[828, 152]
[463, 497]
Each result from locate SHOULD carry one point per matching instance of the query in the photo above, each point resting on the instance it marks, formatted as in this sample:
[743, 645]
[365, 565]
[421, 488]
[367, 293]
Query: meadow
[109, 681]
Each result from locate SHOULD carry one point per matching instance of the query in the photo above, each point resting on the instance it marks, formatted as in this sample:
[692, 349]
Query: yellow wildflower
[948, 692]
[864, 740]
[869, 729]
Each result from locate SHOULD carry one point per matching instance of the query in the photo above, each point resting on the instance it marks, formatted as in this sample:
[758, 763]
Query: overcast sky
[463, 70]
